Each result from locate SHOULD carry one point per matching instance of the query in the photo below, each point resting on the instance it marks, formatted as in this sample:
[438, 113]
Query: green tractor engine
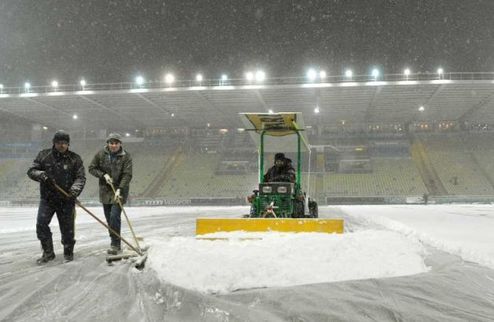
[280, 200]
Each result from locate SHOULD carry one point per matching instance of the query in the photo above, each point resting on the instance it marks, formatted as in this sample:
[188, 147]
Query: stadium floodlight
[199, 78]
[375, 73]
[260, 76]
[311, 74]
[139, 80]
[169, 78]
[27, 86]
[406, 72]
[75, 117]
[223, 79]
[322, 74]
[82, 82]
[54, 84]
[249, 76]
[317, 110]
[349, 73]
[421, 108]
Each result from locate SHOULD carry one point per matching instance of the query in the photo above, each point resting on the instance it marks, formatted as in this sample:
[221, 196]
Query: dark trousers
[112, 215]
[65, 210]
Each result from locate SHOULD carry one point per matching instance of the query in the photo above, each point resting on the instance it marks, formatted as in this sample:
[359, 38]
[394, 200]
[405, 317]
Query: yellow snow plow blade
[216, 225]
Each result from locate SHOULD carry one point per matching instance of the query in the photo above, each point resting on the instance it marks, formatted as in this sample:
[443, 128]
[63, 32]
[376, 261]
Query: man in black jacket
[64, 168]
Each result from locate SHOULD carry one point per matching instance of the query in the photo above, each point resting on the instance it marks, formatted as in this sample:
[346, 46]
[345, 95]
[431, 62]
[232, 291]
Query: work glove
[72, 194]
[45, 178]
[118, 196]
[108, 179]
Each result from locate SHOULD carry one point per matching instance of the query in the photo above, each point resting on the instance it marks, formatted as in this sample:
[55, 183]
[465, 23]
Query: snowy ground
[411, 263]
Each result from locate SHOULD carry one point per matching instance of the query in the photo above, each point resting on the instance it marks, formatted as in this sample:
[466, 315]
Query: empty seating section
[457, 167]
[485, 160]
[482, 147]
[389, 177]
[209, 142]
[14, 181]
[148, 163]
[195, 177]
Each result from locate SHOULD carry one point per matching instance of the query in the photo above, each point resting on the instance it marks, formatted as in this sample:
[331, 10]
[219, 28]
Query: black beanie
[61, 135]
[279, 156]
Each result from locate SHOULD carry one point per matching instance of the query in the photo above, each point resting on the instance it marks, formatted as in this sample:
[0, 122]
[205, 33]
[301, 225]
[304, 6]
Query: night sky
[113, 41]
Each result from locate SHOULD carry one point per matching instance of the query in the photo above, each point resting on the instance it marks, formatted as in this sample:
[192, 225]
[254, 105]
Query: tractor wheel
[298, 209]
[313, 209]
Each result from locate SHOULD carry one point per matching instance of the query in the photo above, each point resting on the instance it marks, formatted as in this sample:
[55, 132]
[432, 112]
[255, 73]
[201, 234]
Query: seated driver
[281, 171]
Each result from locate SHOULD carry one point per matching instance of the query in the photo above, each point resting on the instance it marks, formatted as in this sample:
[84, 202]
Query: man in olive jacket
[57, 165]
[113, 166]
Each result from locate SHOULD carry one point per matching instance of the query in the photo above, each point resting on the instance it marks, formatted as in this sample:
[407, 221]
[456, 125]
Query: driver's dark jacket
[280, 174]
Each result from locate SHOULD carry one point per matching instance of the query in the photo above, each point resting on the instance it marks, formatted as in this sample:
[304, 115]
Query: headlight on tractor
[267, 189]
[282, 189]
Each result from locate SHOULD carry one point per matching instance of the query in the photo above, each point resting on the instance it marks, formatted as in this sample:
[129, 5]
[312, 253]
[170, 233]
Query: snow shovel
[126, 217]
[139, 264]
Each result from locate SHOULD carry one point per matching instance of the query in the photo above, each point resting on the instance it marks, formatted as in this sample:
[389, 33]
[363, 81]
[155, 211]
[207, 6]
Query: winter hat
[279, 156]
[115, 137]
[61, 136]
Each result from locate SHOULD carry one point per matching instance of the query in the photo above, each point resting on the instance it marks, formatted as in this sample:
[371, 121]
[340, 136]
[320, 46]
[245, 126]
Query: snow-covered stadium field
[406, 263]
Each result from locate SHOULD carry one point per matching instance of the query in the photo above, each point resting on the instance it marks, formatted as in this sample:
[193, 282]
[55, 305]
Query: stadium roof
[355, 102]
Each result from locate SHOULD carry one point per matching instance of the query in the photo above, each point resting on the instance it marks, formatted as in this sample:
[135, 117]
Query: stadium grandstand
[393, 140]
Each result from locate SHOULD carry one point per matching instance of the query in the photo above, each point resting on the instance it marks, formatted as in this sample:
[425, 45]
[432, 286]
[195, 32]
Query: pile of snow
[247, 260]
[463, 230]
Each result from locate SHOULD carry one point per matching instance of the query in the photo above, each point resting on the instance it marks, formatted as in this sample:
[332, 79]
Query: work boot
[68, 253]
[114, 250]
[48, 253]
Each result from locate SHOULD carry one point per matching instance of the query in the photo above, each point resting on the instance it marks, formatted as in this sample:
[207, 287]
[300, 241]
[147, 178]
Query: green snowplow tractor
[276, 206]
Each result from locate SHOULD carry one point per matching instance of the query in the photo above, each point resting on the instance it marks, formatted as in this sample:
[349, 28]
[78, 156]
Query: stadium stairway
[429, 176]
[155, 186]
